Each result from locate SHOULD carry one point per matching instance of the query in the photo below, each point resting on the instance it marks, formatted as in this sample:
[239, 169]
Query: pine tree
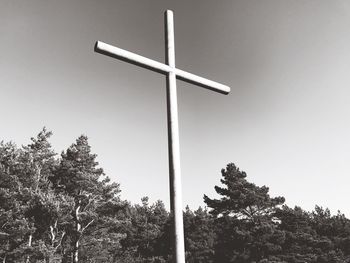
[245, 219]
[79, 176]
[144, 230]
[241, 198]
[15, 227]
[199, 236]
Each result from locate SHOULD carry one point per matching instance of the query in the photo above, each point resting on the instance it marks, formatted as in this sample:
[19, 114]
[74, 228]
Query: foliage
[65, 209]
[253, 227]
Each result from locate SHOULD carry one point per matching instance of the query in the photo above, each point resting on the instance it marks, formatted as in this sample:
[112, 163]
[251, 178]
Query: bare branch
[59, 244]
[82, 231]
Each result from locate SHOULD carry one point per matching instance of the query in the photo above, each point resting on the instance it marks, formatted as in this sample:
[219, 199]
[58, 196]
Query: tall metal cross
[172, 73]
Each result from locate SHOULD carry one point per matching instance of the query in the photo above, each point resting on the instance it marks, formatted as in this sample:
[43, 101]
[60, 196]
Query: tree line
[64, 209]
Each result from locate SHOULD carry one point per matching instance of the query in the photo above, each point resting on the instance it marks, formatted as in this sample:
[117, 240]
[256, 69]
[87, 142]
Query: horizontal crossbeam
[124, 55]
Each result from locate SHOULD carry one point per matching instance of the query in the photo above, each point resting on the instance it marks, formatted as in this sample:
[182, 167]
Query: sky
[285, 122]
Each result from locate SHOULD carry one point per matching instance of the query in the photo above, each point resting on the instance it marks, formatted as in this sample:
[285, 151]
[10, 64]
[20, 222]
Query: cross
[172, 73]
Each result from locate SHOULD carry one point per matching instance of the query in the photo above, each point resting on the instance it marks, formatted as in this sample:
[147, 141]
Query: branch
[52, 233]
[5, 224]
[59, 244]
[85, 227]
[4, 234]
[246, 213]
[90, 202]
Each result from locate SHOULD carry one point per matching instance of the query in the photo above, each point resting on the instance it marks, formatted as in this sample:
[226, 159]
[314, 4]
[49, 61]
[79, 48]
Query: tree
[300, 236]
[245, 219]
[144, 231]
[242, 199]
[199, 236]
[79, 176]
[46, 210]
[14, 227]
[313, 237]
[24, 177]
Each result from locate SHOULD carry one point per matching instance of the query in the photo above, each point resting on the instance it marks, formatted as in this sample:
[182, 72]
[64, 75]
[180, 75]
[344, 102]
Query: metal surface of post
[173, 142]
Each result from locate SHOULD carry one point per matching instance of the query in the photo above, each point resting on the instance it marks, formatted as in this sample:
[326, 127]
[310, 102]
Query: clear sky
[285, 122]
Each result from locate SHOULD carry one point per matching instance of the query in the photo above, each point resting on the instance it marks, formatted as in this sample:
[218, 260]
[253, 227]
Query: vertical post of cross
[173, 142]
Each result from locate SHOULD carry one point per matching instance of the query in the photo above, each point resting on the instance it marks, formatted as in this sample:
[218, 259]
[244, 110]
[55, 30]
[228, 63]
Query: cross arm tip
[168, 12]
[227, 91]
[96, 45]
[223, 89]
